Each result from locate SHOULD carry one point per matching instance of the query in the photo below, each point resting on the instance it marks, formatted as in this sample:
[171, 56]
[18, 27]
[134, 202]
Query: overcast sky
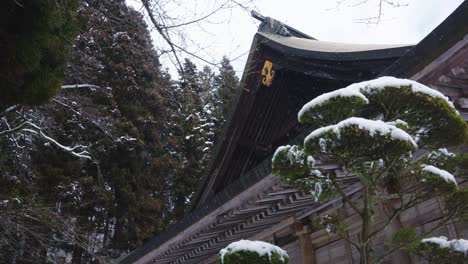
[230, 32]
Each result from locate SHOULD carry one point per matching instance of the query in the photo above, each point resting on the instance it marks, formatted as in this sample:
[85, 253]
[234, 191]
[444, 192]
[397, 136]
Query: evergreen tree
[226, 85]
[146, 141]
[35, 38]
[190, 135]
[111, 202]
[372, 129]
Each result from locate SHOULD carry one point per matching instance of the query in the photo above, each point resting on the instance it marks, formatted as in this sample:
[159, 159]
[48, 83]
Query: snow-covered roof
[325, 46]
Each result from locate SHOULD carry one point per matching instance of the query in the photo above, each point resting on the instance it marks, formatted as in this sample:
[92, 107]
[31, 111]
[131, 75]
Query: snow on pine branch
[319, 100]
[294, 154]
[447, 176]
[397, 122]
[371, 126]
[357, 90]
[260, 247]
[460, 245]
[85, 85]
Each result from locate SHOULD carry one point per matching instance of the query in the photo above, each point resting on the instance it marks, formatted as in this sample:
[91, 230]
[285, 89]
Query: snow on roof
[260, 247]
[447, 176]
[372, 126]
[460, 245]
[325, 46]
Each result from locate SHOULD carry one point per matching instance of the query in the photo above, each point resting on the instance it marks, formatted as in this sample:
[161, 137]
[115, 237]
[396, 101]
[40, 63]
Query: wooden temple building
[240, 199]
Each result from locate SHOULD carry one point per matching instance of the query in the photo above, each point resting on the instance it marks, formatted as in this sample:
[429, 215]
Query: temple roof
[264, 116]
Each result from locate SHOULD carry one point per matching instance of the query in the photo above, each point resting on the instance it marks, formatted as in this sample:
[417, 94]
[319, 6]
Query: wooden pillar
[305, 242]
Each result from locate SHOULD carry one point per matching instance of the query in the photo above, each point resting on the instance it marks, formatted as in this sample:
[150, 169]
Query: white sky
[230, 32]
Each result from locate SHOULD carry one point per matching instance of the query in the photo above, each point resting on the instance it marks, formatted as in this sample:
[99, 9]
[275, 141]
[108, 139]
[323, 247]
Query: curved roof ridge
[326, 46]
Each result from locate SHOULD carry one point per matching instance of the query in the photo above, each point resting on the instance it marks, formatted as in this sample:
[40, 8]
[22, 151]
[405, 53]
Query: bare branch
[162, 32]
[345, 197]
[198, 19]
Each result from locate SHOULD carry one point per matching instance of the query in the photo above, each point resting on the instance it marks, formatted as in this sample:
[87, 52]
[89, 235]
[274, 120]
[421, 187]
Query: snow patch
[447, 176]
[260, 247]
[445, 152]
[397, 122]
[460, 245]
[372, 126]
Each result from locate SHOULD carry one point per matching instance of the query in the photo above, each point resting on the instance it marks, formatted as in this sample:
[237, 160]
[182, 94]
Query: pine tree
[372, 129]
[252, 252]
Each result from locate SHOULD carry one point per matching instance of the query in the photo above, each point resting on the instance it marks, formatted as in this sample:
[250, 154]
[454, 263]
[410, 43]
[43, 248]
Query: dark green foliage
[434, 121]
[227, 84]
[290, 162]
[343, 108]
[404, 236]
[354, 145]
[250, 257]
[331, 223]
[292, 165]
[457, 204]
[36, 37]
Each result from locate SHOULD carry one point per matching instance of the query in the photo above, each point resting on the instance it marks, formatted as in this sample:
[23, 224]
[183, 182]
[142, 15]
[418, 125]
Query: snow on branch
[78, 151]
[372, 126]
[359, 90]
[85, 85]
[447, 176]
[460, 245]
[259, 247]
[10, 109]
[13, 130]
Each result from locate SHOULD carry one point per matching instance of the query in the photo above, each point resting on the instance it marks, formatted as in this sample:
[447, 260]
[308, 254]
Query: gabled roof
[298, 61]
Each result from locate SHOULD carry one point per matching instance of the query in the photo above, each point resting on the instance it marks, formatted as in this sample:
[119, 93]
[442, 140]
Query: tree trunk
[77, 254]
[367, 225]
[106, 230]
